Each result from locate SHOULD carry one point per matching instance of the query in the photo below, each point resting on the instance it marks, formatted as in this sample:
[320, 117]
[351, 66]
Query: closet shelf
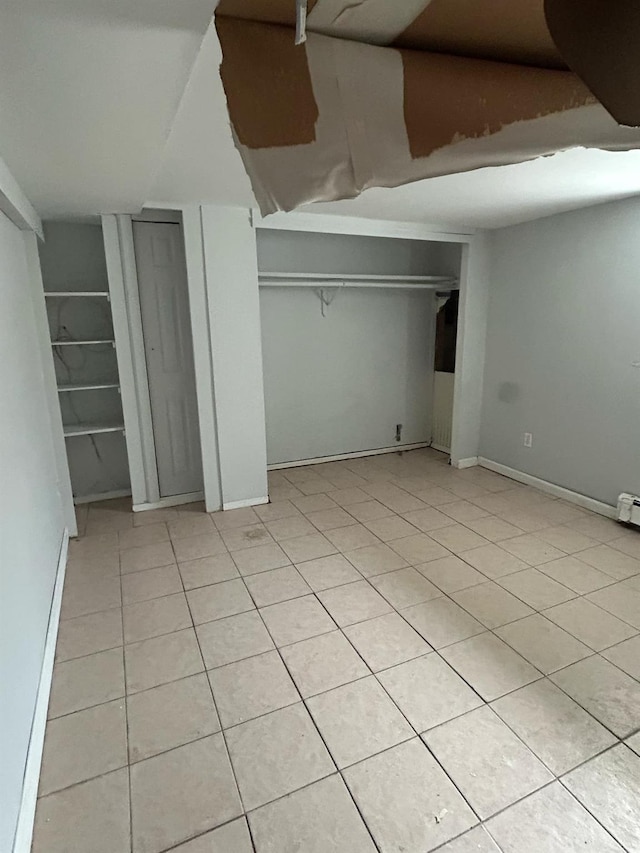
[295, 279]
[87, 386]
[54, 293]
[82, 343]
[91, 429]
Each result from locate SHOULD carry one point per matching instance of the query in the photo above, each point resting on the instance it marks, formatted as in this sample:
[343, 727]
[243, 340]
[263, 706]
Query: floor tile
[536, 589]
[277, 754]
[626, 656]
[458, 538]
[182, 793]
[590, 623]
[419, 548]
[435, 496]
[86, 681]
[233, 518]
[405, 587]
[277, 585]
[238, 538]
[464, 511]
[330, 519]
[492, 528]
[489, 666]
[327, 572]
[386, 641]
[197, 524]
[155, 617]
[531, 549]
[352, 537]
[318, 819]
[136, 537]
[428, 691]
[170, 715]
[408, 802]
[231, 838]
[276, 511]
[597, 527]
[634, 743]
[150, 583]
[628, 543]
[222, 599]
[488, 763]
[550, 821]
[477, 840]
[314, 503]
[349, 497]
[322, 663]
[609, 787]
[262, 558]
[390, 527]
[358, 720]
[292, 621]
[234, 638]
[290, 527]
[542, 643]
[162, 659]
[553, 726]
[308, 547]
[492, 605]
[375, 560]
[83, 745]
[91, 816]
[620, 599]
[207, 570]
[353, 602]
[442, 622]
[611, 561]
[493, 561]
[252, 687]
[566, 539]
[369, 511]
[578, 576]
[90, 595]
[147, 557]
[609, 694]
[451, 574]
[196, 547]
[86, 635]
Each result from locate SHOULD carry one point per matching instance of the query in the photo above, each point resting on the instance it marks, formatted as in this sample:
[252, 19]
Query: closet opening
[444, 368]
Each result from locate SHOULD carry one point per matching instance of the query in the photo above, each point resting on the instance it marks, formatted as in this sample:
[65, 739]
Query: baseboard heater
[629, 509]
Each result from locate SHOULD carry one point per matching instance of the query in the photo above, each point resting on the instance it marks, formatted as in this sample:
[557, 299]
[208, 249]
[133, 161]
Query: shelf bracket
[326, 298]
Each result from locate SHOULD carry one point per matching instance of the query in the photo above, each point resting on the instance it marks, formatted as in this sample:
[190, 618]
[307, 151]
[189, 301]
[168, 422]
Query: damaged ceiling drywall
[385, 93]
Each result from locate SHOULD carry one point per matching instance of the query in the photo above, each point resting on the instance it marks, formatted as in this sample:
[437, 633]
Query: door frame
[132, 366]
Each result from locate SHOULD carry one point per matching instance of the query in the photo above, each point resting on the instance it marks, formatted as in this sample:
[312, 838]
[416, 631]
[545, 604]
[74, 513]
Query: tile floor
[390, 656]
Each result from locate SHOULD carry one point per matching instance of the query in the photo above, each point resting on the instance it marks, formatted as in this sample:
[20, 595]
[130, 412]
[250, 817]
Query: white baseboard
[245, 503]
[103, 496]
[469, 462]
[24, 830]
[172, 500]
[550, 488]
[359, 454]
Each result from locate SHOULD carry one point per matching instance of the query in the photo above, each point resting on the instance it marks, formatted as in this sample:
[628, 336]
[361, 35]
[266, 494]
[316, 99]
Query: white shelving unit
[82, 343]
[52, 294]
[86, 386]
[91, 429]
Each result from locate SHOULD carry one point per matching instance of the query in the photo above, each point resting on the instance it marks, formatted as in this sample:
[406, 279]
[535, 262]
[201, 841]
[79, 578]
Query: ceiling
[111, 105]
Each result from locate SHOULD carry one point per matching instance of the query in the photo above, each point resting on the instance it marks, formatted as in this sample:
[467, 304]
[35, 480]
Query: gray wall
[340, 383]
[563, 334]
[31, 521]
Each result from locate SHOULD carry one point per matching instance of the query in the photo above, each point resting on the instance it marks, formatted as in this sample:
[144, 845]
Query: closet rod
[388, 284]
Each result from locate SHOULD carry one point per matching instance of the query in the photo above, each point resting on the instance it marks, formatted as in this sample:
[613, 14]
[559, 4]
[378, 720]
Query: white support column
[231, 268]
[202, 355]
[48, 369]
[470, 352]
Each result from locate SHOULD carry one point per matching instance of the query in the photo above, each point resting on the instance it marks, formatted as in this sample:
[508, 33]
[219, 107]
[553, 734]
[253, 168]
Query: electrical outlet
[528, 439]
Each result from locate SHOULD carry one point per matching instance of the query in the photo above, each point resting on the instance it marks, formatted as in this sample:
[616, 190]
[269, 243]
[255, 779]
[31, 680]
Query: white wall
[563, 337]
[31, 521]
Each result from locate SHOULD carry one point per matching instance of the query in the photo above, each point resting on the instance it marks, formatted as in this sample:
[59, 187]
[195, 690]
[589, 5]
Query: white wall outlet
[528, 439]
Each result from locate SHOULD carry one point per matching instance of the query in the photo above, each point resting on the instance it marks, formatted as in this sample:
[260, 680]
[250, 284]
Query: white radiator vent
[629, 509]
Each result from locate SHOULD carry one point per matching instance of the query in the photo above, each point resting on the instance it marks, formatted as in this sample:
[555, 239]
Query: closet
[348, 340]
[82, 340]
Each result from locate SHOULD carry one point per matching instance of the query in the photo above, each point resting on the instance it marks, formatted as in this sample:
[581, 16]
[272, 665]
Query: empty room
[320, 426]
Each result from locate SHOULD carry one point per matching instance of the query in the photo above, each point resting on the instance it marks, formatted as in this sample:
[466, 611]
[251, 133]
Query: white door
[164, 303]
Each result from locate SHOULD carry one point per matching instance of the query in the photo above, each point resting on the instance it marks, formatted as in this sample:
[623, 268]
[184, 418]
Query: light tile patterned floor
[390, 656]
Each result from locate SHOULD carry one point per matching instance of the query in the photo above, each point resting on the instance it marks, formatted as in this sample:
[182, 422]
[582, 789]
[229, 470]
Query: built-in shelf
[81, 343]
[91, 429]
[87, 386]
[54, 293]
